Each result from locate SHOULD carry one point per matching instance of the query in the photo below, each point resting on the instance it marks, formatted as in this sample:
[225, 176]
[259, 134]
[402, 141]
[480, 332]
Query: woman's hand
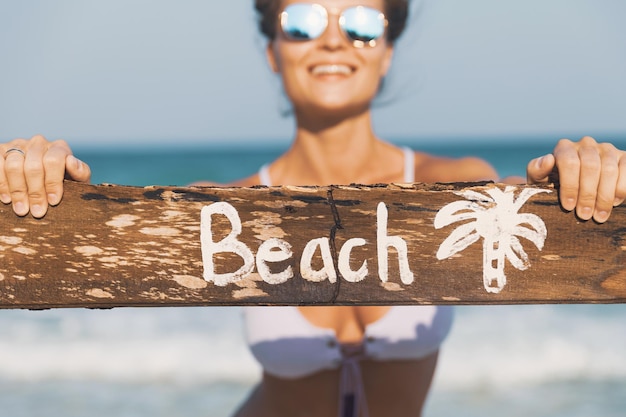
[32, 173]
[591, 176]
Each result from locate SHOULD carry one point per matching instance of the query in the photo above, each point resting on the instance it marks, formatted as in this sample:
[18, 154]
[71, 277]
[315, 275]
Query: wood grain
[109, 246]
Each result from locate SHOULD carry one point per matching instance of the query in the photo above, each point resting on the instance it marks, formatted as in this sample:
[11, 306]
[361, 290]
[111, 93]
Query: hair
[396, 12]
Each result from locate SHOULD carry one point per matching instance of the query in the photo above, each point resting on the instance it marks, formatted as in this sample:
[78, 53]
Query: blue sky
[156, 71]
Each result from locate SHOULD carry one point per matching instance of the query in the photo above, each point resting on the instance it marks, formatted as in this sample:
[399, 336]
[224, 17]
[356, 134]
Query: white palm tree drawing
[494, 217]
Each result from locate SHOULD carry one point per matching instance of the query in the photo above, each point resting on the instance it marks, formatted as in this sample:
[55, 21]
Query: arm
[32, 173]
[591, 176]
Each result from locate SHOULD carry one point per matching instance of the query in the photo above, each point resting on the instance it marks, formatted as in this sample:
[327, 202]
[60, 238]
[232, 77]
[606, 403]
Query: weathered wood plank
[108, 246]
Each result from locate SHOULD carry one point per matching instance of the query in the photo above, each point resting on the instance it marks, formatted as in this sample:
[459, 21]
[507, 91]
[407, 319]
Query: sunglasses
[307, 21]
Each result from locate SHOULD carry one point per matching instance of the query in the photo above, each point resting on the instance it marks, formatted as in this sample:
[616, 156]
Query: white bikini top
[409, 169]
[288, 345]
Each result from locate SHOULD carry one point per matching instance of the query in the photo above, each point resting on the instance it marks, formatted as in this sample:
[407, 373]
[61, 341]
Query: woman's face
[330, 74]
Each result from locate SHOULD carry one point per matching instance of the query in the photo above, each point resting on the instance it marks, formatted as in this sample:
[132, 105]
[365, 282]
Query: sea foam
[489, 347]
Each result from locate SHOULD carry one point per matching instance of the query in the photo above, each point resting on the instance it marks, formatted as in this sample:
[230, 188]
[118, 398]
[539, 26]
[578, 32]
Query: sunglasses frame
[326, 13]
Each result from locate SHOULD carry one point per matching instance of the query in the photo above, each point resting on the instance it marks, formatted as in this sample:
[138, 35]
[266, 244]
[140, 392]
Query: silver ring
[15, 150]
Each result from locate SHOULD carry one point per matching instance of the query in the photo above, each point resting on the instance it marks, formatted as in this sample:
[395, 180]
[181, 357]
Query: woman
[331, 57]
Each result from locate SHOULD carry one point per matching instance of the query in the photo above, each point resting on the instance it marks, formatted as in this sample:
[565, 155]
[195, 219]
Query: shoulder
[429, 168]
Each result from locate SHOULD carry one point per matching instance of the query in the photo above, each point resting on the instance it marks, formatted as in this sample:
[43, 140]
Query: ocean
[542, 360]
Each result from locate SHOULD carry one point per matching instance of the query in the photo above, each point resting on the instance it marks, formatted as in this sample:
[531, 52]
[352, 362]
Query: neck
[329, 151]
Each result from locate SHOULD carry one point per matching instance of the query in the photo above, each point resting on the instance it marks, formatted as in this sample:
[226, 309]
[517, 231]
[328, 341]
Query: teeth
[332, 70]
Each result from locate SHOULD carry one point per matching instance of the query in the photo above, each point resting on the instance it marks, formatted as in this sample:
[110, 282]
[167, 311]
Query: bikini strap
[409, 165]
[264, 175]
[352, 401]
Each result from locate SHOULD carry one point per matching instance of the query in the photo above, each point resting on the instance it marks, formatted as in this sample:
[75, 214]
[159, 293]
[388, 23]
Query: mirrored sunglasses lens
[303, 21]
[363, 23]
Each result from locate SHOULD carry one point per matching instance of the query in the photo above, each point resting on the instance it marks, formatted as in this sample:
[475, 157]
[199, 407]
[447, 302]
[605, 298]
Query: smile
[332, 69]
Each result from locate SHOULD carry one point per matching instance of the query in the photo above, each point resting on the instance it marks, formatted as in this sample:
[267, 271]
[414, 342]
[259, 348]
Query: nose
[333, 37]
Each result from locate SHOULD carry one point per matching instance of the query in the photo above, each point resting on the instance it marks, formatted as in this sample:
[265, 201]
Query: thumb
[76, 169]
[539, 169]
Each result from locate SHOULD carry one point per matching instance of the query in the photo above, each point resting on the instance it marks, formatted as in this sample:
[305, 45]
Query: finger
[5, 194]
[568, 168]
[14, 171]
[34, 175]
[54, 162]
[590, 173]
[77, 169]
[620, 189]
[539, 169]
[609, 176]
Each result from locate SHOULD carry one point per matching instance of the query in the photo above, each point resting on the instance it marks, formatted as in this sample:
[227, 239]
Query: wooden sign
[108, 246]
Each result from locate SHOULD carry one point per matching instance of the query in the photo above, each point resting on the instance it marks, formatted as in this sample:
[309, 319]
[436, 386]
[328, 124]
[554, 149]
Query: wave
[129, 345]
[493, 346]
[489, 346]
